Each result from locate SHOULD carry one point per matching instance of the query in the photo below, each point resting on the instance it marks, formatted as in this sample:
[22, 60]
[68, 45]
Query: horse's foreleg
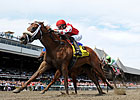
[41, 69]
[124, 84]
[106, 81]
[65, 74]
[123, 81]
[56, 76]
[114, 81]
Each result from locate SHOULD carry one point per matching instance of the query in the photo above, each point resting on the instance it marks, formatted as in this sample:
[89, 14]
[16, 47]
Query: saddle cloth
[85, 53]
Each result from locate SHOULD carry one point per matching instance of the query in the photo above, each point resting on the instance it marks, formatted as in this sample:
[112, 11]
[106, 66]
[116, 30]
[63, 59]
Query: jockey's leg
[114, 69]
[56, 76]
[43, 67]
[76, 46]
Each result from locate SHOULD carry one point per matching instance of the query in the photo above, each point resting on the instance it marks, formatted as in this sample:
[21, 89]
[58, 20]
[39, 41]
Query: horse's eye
[33, 29]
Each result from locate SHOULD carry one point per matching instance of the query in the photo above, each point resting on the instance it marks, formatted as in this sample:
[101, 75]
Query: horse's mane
[52, 33]
[48, 27]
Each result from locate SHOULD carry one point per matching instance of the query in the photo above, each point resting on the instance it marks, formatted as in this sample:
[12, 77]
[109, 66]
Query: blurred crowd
[40, 85]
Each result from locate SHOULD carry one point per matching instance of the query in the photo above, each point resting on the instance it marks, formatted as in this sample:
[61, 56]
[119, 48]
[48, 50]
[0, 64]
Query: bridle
[34, 34]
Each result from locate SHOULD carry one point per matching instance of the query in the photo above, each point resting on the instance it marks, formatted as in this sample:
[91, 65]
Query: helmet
[60, 22]
[108, 57]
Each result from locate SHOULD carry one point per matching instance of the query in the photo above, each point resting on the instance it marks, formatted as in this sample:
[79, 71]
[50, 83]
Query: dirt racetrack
[82, 95]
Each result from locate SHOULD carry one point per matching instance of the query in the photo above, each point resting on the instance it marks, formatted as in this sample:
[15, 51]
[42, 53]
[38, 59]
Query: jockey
[64, 28]
[112, 63]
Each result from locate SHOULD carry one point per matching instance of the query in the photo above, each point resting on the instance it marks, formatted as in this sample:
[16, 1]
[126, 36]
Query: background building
[132, 74]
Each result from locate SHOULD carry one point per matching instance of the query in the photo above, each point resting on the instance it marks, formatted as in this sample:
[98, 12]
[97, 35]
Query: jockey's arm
[64, 31]
[112, 62]
[106, 62]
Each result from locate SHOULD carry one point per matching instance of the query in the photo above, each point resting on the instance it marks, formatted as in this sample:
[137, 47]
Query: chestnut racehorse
[59, 55]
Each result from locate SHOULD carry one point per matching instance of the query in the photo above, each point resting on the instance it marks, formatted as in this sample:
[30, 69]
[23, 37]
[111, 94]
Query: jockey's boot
[116, 69]
[76, 46]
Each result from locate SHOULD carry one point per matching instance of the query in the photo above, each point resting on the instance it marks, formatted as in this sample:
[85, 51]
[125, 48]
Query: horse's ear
[38, 22]
[41, 22]
[48, 26]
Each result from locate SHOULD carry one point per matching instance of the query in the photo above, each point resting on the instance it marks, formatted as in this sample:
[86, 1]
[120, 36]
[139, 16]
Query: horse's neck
[49, 44]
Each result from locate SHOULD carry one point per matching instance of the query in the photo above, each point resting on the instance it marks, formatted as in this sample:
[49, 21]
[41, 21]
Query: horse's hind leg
[56, 76]
[40, 70]
[74, 82]
[100, 73]
[94, 78]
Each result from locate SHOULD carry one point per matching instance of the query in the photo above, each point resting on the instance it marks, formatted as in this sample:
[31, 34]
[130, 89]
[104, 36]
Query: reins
[50, 31]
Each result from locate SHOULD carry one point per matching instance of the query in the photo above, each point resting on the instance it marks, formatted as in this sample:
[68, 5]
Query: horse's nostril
[21, 39]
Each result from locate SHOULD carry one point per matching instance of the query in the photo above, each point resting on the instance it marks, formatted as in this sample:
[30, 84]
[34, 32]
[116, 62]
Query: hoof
[100, 94]
[73, 93]
[16, 90]
[42, 92]
[62, 93]
[111, 87]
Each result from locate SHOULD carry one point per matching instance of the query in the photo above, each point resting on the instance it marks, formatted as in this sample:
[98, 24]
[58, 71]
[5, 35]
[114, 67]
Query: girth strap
[72, 62]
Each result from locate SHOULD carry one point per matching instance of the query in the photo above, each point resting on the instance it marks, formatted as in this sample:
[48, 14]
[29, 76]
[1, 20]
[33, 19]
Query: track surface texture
[57, 95]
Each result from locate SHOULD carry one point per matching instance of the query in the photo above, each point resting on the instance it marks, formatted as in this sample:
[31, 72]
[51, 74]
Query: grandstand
[17, 61]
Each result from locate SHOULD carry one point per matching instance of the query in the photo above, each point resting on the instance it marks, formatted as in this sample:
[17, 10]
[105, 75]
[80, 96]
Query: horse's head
[34, 31]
